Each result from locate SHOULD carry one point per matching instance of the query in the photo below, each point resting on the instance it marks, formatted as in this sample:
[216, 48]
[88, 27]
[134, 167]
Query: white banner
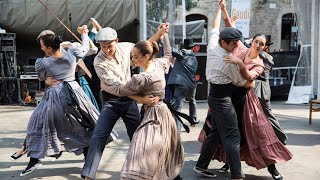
[241, 9]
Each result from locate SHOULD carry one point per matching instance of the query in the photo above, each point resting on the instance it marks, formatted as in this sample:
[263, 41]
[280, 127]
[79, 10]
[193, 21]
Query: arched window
[289, 33]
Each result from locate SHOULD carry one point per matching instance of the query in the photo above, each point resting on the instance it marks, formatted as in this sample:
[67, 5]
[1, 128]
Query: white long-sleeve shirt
[218, 71]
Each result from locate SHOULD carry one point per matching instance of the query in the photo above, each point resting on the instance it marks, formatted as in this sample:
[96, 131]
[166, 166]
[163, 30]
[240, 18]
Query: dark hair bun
[57, 39]
[155, 47]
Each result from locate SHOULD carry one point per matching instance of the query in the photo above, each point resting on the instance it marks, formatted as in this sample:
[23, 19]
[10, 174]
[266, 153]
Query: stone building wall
[268, 20]
[265, 19]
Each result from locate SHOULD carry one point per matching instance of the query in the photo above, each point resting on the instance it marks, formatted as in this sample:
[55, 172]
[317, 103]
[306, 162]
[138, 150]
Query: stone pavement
[304, 143]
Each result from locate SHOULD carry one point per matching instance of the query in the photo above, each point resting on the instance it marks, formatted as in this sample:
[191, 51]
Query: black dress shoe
[277, 177]
[274, 172]
[194, 123]
[14, 157]
[204, 172]
[32, 165]
[178, 178]
[56, 155]
[225, 168]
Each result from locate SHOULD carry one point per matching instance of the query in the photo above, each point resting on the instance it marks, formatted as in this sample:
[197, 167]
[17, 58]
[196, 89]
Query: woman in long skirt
[81, 71]
[155, 151]
[55, 125]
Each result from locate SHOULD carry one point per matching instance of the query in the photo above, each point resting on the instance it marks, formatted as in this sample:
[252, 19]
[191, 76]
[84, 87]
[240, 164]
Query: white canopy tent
[29, 17]
[316, 47]
[194, 29]
[302, 83]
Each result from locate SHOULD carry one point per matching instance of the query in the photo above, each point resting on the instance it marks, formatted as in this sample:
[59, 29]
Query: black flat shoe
[194, 123]
[33, 165]
[204, 172]
[178, 178]
[14, 157]
[225, 168]
[274, 172]
[56, 155]
[277, 177]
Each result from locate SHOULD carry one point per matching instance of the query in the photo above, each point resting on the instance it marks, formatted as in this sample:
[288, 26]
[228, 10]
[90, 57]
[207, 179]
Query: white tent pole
[317, 4]
[172, 21]
[312, 48]
[183, 19]
[143, 20]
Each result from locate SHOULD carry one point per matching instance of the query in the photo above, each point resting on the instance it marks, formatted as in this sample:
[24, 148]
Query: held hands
[83, 29]
[163, 28]
[95, 24]
[222, 4]
[234, 21]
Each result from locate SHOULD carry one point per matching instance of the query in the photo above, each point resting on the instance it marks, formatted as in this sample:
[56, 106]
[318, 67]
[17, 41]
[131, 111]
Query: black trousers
[110, 114]
[225, 128]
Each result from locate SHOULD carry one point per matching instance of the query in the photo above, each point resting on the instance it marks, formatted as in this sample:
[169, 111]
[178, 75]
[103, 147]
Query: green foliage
[190, 4]
[158, 9]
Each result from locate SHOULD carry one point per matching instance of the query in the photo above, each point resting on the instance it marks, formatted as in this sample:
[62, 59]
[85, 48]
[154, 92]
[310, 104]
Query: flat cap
[230, 33]
[106, 35]
[45, 32]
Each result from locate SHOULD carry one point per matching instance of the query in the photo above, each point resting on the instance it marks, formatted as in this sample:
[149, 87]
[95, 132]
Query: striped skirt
[155, 151]
[49, 130]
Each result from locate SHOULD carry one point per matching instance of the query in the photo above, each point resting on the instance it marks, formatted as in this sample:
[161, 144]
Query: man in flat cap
[222, 76]
[112, 64]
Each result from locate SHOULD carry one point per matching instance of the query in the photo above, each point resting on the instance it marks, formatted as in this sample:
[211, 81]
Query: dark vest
[184, 70]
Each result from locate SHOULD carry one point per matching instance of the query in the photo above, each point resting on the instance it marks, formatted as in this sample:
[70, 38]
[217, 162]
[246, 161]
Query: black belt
[220, 90]
[221, 85]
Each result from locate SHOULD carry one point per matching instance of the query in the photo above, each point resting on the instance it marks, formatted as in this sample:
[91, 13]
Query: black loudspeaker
[202, 47]
[202, 83]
